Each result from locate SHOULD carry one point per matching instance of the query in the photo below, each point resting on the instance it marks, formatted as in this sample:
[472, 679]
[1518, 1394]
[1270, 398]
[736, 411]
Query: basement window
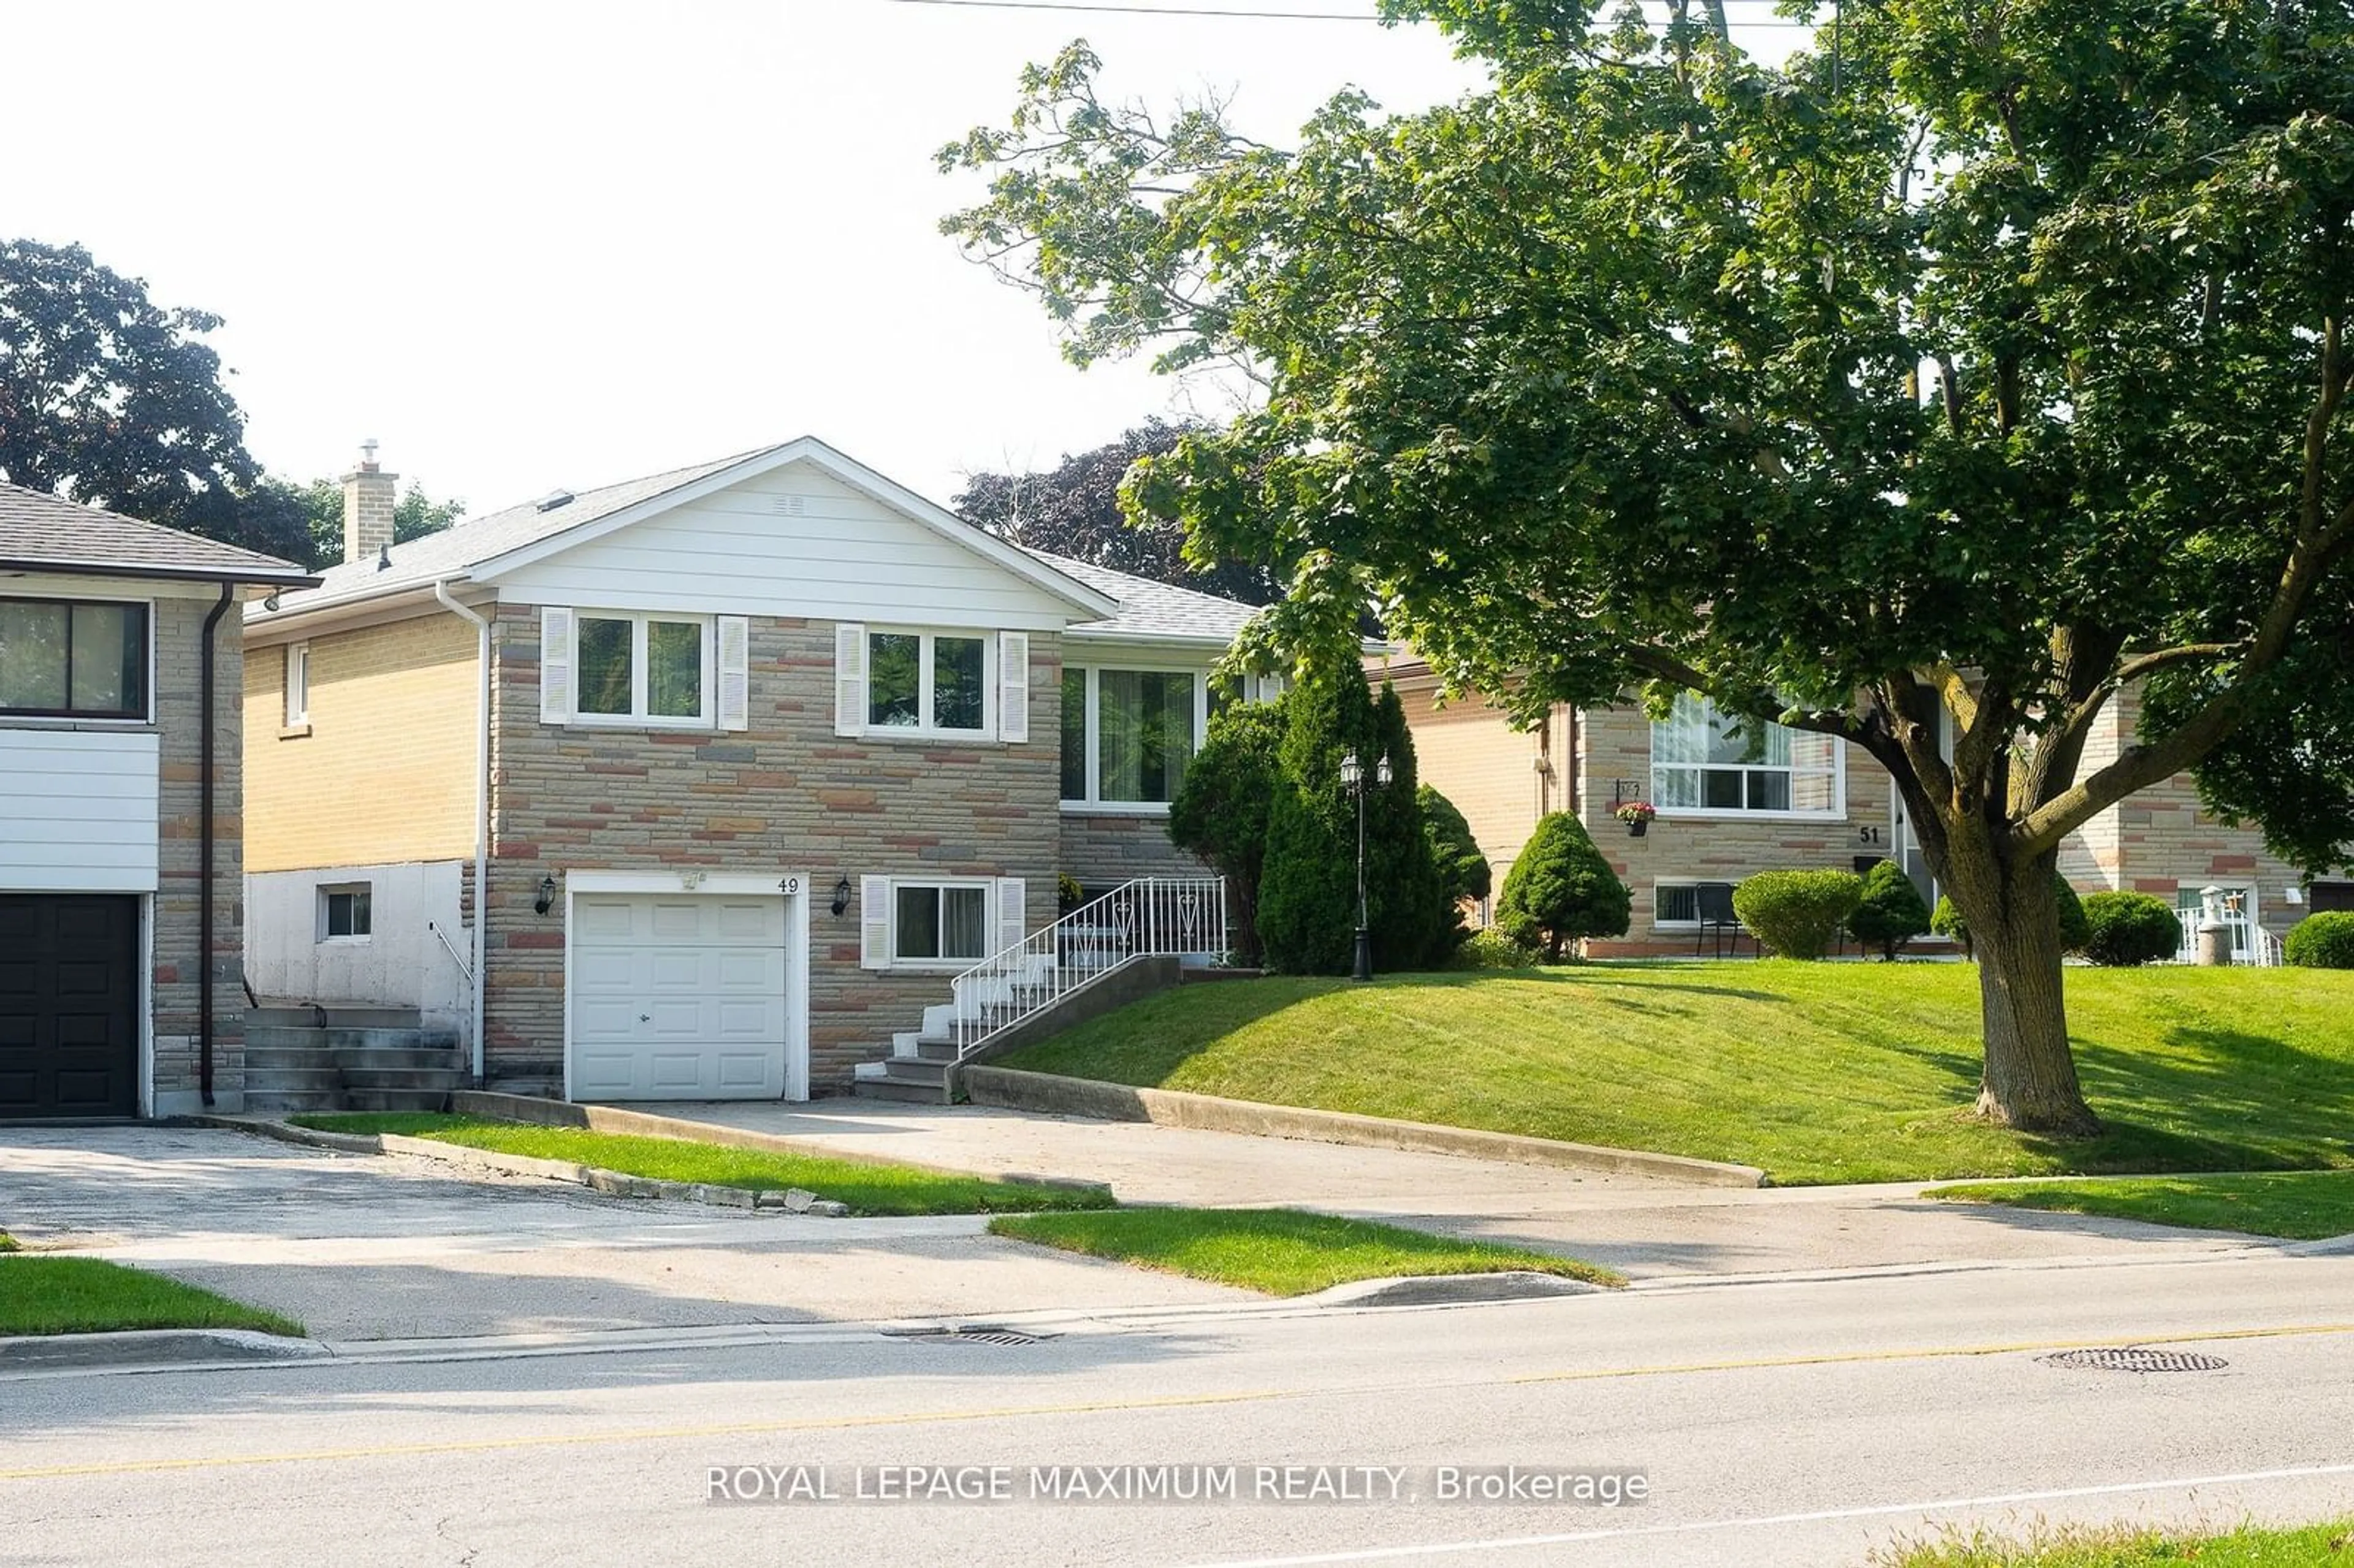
[344, 913]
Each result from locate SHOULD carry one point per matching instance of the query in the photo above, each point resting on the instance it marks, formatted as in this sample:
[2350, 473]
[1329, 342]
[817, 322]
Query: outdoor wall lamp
[840, 896]
[546, 899]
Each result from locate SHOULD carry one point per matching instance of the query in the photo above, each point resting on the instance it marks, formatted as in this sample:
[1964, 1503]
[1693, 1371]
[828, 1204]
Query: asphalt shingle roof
[1153, 610]
[1148, 610]
[478, 539]
[39, 530]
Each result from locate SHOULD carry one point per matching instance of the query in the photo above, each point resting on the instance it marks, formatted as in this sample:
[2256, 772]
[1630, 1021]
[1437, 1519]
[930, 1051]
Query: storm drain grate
[967, 1334]
[2134, 1359]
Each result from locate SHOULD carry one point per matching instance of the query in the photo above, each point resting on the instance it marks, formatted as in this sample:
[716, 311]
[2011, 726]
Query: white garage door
[681, 996]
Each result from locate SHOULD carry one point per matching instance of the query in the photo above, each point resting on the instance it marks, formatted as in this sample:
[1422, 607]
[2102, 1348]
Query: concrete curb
[1054, 1096]
[1448, 1289]
[647, 1124]
[613, 1183]
[151, 1347]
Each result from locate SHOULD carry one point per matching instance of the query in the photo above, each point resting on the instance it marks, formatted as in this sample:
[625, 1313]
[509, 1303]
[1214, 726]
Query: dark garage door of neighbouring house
[68, 1005]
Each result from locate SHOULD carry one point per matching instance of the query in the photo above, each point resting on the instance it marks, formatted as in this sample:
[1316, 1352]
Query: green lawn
[1816, 1072]
[2306, 1205]
[41, 1293]
[867, 1188]
[1282, 1251]
[2249, 1547]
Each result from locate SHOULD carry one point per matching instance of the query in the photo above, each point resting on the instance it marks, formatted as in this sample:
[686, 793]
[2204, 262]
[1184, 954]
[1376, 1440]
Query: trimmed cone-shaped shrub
[1462, 869]
[1891, 911]
[1561, 890]
[1796, 913]
[2129, 929]
[2323, 941]
[2074, 929]
[1222, 808]
[1307, 887]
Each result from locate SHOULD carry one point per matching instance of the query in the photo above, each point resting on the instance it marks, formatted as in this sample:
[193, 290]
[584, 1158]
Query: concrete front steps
[923, 1064]
[304, 1057]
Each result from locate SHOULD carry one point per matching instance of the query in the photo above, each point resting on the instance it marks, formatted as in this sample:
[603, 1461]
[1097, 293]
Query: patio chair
[1716, 918]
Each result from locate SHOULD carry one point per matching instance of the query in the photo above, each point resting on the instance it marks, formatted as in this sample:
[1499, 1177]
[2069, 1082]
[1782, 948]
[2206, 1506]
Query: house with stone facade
[704, 784]
[120, 811]
[1734, 800]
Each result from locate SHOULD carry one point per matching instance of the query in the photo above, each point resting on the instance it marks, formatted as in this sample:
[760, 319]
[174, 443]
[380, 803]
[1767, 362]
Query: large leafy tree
[1073, 509]
[1994, 363]
[109, 398]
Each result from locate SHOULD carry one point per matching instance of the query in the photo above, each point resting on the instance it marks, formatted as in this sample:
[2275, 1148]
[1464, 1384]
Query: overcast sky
[532, 245]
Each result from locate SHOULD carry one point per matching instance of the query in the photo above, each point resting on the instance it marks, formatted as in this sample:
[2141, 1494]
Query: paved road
[1779, 1424]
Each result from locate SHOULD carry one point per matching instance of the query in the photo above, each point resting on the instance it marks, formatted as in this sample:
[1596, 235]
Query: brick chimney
[368, 496]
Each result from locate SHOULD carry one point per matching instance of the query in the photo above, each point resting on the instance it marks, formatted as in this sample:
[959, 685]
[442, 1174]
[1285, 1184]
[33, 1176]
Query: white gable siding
[78, 811]
[845, 556]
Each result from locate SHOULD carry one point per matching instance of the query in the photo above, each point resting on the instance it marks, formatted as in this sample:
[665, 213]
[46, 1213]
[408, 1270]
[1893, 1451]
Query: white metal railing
[2251, 943]
[1152, 916]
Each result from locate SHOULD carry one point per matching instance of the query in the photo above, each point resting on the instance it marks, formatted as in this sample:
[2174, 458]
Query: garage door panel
[680, 996]
[70, 992]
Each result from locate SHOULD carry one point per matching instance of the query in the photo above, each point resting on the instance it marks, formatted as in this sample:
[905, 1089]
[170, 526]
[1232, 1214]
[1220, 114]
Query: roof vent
[552, 500]
[384, 558]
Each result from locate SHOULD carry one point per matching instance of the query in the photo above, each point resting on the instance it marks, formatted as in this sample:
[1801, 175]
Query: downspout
[206, 727]
[481, 803]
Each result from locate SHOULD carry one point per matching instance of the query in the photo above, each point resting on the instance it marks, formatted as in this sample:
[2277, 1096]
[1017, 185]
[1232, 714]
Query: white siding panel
[78, 811]
[845, 558]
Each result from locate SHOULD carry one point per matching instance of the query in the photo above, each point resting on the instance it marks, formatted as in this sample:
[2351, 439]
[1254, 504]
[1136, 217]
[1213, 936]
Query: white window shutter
[1013, 686]
[849, 679]
[555, 665]
[735, 673]
[1013, 917]
[874, 922]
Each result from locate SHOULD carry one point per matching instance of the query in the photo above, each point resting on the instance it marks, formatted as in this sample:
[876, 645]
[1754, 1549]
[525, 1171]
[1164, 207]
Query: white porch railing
[1153, 916]
[2251, 943]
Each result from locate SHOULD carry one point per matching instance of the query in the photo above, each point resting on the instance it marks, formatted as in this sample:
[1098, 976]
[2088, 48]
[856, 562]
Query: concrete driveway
[1652, 1230]
[377, 1247]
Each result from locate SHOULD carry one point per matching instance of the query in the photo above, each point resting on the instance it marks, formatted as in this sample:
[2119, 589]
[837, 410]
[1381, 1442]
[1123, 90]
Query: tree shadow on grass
[2238, 1101]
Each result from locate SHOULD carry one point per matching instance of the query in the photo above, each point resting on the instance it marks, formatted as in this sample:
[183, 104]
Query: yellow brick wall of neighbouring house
[387, 770]
[1468, 751]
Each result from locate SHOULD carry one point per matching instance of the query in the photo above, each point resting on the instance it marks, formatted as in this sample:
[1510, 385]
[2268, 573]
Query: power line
[1097, 9]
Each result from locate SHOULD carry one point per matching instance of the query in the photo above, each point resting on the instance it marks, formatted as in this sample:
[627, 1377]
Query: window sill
[344, 941]
[929, 737]
[293, 731]
[70, 721]
[929, 966]
[631, 721]
[1115, 808]
[1693, 814]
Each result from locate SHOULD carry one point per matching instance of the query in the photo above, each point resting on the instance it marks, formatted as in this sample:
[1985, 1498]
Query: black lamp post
[1352, 779]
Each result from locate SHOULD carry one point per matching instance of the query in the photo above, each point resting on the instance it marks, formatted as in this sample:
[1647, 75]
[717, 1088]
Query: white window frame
[1094, 804]
[1658, 921]
[1835, 812]
[707, 718]
[298, 684]
[329, 891]
[927, 639]
[987, 887]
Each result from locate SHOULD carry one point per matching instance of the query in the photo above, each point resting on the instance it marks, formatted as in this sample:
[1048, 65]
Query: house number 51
[1867, 836]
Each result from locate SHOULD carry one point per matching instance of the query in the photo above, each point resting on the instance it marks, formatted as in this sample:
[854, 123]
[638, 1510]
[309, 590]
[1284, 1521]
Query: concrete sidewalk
[375, 1248]
[1649, 1229]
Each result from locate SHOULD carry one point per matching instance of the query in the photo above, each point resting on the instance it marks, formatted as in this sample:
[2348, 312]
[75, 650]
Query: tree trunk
[2029, 1080]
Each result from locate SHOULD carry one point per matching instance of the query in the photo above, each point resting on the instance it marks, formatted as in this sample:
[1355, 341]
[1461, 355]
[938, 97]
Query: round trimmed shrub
[1490, 948]
[1796, 913]
[2074, 929]
[1560, 889]
[2129, 929]
[2321, 941]
[1892, 912]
